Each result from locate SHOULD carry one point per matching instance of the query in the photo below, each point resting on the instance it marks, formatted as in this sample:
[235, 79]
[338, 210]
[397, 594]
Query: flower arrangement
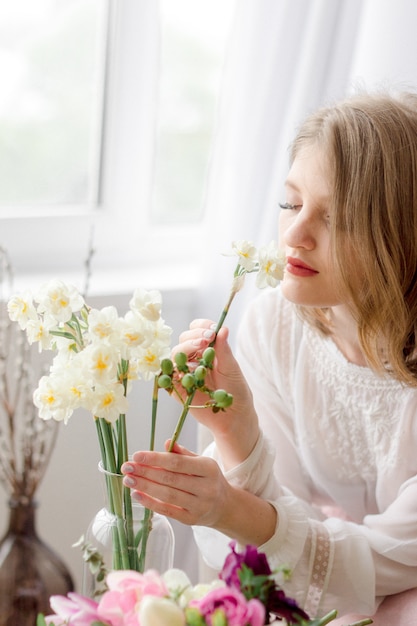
[245, 594]
[98, 356]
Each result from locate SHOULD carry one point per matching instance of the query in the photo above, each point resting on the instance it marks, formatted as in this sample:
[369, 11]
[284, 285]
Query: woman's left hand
[192, 490]
[179, 484]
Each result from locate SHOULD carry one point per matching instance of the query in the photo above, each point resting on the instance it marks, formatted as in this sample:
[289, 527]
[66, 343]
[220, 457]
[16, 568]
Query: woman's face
[304, 227]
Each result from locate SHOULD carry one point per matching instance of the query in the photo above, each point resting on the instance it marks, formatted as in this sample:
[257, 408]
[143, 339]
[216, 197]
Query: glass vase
[126, 534]
[30, 572]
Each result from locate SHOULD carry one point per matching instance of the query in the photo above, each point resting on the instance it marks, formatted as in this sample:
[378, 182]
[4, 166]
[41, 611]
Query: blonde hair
[371, 143]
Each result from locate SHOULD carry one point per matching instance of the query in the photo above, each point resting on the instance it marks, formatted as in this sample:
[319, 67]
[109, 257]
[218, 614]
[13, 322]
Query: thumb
[226, 361]
[177, 449]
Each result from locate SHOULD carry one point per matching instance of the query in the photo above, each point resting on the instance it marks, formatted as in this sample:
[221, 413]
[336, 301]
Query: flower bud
[200, 373]
[188, 382]
[222, 399]
[167, 366]
[208, 357]
[181, 360]
[164, 381]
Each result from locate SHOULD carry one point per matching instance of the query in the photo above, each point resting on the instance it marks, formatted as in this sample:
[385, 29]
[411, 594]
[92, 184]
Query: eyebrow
[322, 199]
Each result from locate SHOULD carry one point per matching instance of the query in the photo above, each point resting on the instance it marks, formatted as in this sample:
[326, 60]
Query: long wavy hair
[371, 143]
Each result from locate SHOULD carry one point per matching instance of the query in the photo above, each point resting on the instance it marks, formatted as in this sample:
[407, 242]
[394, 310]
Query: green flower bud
[181, 360]
[200, 373]
[164, 381]
[208, 357]
[167, 366]
[188, 382]
[222, 399]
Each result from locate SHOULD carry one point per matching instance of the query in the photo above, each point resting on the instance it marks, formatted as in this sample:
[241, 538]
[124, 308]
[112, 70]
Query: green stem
[223, 315]
[181, 420]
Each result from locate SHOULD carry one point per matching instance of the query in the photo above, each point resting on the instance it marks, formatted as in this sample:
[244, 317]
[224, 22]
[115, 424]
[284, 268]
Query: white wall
[71, 492]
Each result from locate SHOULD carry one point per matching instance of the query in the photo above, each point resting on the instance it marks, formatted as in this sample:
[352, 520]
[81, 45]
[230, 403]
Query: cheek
[284, 221]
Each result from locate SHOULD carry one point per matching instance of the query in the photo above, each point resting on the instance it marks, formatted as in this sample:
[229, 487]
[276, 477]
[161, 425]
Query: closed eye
[288, 206]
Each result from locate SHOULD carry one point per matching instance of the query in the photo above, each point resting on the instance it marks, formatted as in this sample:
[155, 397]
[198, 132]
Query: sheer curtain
[285, 58]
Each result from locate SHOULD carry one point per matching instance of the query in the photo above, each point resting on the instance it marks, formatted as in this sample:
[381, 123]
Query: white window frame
[129, 250]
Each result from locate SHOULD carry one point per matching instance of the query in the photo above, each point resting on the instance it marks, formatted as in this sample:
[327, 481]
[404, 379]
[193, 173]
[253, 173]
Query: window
[105, 132]
[51, 63]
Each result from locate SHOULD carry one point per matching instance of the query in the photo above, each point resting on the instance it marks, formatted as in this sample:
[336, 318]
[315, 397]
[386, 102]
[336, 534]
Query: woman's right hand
[234, 429]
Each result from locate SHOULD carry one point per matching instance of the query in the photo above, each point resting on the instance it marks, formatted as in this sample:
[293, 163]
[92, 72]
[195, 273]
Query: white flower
[148, 361]
[21, 309]
[59, 300]
[108, 401]
[156, 611]
[103, 325]
[247, 254]
[101, 361]
[37, 331]
[51, 400]
[147, 303]
[134, 331]
[271, 266]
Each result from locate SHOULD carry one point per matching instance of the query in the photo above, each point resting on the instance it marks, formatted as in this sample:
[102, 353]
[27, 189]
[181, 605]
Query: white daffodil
[108, 401]
[271, 266]
[148, 361]
[59, 300]
[38, 332]
[247, 254]
[101, 361]
[134, 332]
[21, 309]
[103, 325]
[51, 401]
[147, 303]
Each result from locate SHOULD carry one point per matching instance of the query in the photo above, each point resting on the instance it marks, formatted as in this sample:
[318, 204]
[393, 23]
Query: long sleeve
[335, 459]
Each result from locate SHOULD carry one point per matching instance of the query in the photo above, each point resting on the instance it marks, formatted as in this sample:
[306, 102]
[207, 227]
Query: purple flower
[237, 610]
[249, 572]
[254, 560]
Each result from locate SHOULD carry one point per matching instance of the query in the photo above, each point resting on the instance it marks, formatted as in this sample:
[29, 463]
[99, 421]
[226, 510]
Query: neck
[345, 335]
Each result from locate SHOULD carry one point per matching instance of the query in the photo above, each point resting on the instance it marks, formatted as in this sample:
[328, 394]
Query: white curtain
[285, 58]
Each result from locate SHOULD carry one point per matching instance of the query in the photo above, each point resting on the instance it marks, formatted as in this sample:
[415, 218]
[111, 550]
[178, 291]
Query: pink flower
[119, 606]
[72, 609]
[237, 610]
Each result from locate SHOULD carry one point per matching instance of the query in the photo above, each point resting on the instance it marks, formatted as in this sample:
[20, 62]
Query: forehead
[311, 173]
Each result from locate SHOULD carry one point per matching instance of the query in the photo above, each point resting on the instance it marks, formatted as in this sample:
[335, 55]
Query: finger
[177, 449]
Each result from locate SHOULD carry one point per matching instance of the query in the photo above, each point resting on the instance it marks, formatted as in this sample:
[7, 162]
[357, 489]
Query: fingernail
[128, 481]
[213, 326]
[136, 496]
[127, 468]
[208, 334]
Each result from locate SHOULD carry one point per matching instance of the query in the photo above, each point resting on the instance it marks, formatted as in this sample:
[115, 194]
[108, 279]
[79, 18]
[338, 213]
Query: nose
[297, 230]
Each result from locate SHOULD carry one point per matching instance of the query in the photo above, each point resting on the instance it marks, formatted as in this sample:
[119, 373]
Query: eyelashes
[288, 206]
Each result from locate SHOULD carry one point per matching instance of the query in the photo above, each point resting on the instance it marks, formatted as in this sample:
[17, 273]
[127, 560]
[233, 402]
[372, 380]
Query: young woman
[316, 460]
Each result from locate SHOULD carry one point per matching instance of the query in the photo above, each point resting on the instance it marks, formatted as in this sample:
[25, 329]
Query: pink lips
[298, 268]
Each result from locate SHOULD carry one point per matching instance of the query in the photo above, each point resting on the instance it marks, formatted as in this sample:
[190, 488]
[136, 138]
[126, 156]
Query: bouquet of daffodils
[98, 356]
[246, 594]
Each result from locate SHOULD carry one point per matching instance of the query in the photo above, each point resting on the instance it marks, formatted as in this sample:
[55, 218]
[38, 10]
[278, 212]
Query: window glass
[52, 69]
[194, 36]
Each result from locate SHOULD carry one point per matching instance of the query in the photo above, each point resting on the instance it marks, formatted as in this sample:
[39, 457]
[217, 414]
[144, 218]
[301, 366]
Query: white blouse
[337, 459]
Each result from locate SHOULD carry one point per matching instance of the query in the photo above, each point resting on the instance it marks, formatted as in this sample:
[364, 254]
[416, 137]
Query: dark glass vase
[30, 572]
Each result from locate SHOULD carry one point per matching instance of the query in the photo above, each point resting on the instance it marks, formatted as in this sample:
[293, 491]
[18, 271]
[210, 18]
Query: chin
[307, 296]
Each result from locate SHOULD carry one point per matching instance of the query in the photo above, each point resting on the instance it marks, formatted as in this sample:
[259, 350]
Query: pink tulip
[119, 606]
[72, 609]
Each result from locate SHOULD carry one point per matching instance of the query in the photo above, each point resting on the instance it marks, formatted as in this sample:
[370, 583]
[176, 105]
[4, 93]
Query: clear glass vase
[30, 571]
[126, 534]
